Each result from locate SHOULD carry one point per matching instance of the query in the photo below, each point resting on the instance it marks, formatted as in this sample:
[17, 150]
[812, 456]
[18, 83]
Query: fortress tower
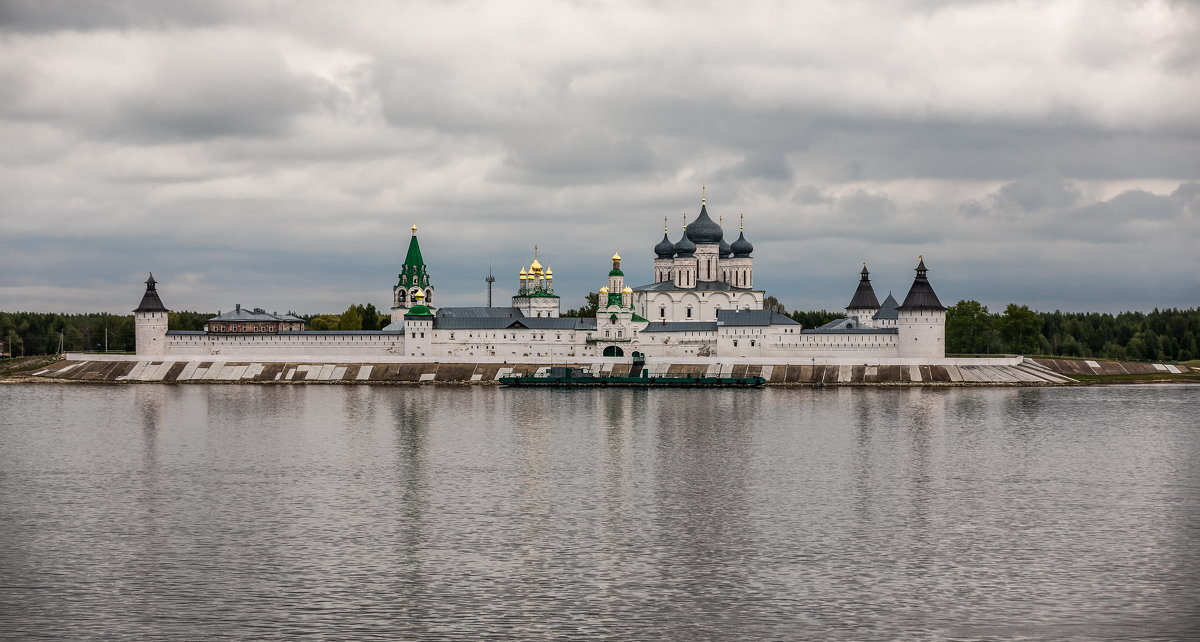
[921, 320]
[150, 322]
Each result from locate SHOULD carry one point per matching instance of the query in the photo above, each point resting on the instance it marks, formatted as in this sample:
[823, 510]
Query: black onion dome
[704, 229]
[725, 251]
[665, 248]
[685, 248]
[741, 247]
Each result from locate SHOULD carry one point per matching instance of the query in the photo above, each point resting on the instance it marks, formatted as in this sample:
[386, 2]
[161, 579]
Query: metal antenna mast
[490, 280]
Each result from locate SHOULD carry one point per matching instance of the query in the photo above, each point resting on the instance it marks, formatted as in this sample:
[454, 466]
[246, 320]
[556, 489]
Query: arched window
[429, 296]
[689, 312]
[401, 297]
[662, 311]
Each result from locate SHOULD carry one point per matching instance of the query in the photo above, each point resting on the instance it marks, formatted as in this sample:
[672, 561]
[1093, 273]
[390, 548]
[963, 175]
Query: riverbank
[1012, 371]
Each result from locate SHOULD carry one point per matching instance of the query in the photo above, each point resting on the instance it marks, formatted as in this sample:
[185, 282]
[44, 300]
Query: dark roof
[848, 326]
[307, 332]
[685, 248]
[844, 323]
[703, 286]
[921, 295]
[724, 251]
[753, 317]
[479, 312]
[257, 314]
[681, 326]
[150, 301]
[858, 330]
[888, 309]
[741, 247]
[502, 323]
[864, 296]
[704, 229]
[342, 332]
[665, 248]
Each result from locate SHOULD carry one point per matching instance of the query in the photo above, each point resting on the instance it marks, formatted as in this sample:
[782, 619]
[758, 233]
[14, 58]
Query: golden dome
[549, 272]
[419, 295]
[535, 266]
[522, 271]
[604, 290]
[523, 277]
[616, 257]
[627, 290]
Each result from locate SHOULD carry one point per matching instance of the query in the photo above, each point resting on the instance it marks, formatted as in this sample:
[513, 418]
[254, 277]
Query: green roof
[542, 294]
[637, 317]
[616, 272]
[414, 253]
[419, 310]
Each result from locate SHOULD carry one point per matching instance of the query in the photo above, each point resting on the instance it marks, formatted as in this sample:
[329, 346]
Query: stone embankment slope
[1028, 372]
[1091, 371]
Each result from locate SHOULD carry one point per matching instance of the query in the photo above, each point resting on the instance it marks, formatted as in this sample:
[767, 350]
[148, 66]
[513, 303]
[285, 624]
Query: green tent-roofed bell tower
[413, 278]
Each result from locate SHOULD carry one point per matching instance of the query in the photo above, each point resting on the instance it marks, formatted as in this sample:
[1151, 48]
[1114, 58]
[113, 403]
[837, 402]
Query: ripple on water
[179, 512]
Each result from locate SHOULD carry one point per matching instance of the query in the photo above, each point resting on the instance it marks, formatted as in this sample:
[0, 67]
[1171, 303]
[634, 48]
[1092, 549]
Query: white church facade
[701, 304]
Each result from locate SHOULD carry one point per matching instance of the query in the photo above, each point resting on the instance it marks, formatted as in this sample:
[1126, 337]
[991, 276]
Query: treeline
[356, 317]
[1161, 335]
[31, 333]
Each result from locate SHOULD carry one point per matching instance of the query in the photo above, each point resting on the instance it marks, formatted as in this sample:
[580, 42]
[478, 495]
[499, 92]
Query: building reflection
[702, 501]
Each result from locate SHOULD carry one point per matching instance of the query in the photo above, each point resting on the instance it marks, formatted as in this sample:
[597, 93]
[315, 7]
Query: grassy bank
[20, 366]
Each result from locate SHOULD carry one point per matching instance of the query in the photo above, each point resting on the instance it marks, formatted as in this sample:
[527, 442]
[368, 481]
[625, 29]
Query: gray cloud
[1032, 152]
[58, 15]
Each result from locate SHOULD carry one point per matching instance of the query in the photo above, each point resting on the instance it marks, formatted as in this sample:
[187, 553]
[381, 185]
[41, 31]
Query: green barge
[569, 376]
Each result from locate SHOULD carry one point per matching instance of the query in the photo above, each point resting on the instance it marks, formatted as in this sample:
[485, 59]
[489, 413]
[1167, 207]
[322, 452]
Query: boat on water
[571, 376]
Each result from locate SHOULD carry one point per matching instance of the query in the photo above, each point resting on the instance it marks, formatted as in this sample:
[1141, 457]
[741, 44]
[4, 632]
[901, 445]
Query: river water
[373, 512]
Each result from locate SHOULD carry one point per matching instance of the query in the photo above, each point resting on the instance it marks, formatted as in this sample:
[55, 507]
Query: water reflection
[406, 512]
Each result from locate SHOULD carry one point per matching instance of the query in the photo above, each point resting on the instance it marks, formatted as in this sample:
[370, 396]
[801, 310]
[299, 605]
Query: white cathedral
[701, 304]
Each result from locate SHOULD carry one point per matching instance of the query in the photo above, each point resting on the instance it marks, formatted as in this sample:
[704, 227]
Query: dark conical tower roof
[864, 296]
[150, 301]
[921, 295]
[888, 309]
[704, 229]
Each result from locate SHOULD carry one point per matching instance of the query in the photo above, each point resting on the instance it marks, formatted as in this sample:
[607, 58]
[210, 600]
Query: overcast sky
[275, 154]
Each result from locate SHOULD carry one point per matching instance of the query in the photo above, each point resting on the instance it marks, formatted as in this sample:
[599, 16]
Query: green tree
[591, 304]
[352, 319]
[815, 318]
[14, 343]
[1021, 328]
[968, 327]
[773, 304]
[325, 322]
